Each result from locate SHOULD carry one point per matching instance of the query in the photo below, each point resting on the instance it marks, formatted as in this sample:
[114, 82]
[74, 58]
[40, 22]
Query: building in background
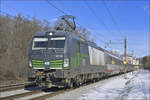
[132, 59]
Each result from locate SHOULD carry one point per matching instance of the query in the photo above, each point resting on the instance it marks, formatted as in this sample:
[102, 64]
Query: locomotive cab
[50, 50]
[47, 58]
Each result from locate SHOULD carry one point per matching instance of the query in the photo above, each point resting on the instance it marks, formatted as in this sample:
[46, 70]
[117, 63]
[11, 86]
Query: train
[64, 59]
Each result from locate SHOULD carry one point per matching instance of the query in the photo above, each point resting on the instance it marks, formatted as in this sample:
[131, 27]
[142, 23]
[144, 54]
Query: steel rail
[5, 88]
[21, 95]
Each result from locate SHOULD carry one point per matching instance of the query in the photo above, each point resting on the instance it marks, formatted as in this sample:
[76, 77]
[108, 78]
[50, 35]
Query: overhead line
[112, 18]
[97, 17]
[55, 7]
[90, 8]
[62, 12]
[77, 23]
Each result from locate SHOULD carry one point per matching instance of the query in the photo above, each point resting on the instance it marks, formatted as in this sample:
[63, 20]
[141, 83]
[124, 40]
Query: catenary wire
[111, 16]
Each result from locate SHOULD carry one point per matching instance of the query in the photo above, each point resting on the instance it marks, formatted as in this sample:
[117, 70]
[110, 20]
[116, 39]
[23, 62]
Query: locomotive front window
[57, 42]
[40, 43]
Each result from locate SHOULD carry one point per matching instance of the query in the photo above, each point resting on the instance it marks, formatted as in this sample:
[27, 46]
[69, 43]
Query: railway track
[12, 97]
[42, 94]
[12, 87]
[52, 94]
[45, 94]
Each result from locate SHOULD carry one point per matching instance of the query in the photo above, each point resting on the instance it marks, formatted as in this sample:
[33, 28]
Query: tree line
[146, 62]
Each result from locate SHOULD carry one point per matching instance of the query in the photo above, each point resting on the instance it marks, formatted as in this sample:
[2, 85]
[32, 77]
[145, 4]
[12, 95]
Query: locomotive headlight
[66, 62]
[47, 63]
[50, 33]
[30, 64]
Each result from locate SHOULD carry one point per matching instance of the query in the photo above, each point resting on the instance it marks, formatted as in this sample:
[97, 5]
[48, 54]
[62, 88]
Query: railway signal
[125, 54]
[125, 57]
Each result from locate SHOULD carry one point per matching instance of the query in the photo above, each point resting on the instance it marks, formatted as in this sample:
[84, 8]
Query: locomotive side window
[39, 43]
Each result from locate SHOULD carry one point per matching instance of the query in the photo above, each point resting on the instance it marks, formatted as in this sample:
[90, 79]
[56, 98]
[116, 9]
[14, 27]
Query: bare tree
[84, 32]
[15, 36]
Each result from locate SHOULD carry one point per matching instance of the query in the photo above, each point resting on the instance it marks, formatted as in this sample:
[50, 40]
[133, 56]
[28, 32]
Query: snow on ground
[139, 87]
[134, 85]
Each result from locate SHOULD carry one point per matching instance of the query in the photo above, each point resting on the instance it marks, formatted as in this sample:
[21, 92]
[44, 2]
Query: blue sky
[132, 18]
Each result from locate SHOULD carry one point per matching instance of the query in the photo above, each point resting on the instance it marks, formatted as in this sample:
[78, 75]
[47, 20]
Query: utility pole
[125, 55]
